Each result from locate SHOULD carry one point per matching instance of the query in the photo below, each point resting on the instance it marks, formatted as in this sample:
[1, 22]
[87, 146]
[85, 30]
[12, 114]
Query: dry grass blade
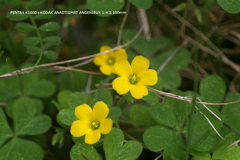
[77, 70]
[172, 55]
[210, 123]
[189, 25]
[187, 99]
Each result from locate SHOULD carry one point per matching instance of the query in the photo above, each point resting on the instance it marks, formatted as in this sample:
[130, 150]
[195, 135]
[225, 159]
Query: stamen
[95, 125]
[133, 79]
[111, 61]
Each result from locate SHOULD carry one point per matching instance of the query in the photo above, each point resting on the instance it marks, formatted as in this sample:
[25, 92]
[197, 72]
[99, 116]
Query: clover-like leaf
[231, 6]
[231, 112]
[163, 113]
[63, 98]
[106, 97]
[212, 89]
[146, 48]
[114, 113]
[224, 151]
[5, 130]
[36, 126]
[115, 150]
[86, 150]
[8, 87]
[23, 111]
[42, 89]
[157, 138]
[75, 99]
[66, 116]
[19, 148]
[140, 114]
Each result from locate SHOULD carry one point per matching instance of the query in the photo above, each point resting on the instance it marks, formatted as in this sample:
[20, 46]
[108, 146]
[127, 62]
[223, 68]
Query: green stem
[191, 118]
[38, 34]
[100, 90]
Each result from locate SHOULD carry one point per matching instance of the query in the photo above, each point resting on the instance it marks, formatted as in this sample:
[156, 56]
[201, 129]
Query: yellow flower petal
[92, 136]
[100, 111]
[106, 126]
[123, 68]
[120, 54]
[84, 113]
[140, 65]
[106, 69]
[121, 85]
[138, 91]
[79, 128]
[100, 59]
[104, 48]
[149, 77]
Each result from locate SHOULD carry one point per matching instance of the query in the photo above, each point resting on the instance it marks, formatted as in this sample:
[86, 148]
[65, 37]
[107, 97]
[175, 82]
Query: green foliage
[36, 2]
[25, 27]
[17, 17]
[142, 3]
[115, 150]
[49, 26]
[53, 40]
[146, 48]
[106, 97]
[231, 6]
[66, 117]
[157, 138]
[225, 151]
[140, 114]
[45, 16]
[114, 114]
[14, 2]
[162, 124]
[105, 6]
[230, 112]
[85, 149]
[25, 119]
[19, 148]
[170, 78]
[31, 41]
[44, 89]
[34, 50]
[5, 131]
[76, 99]
[50, 54]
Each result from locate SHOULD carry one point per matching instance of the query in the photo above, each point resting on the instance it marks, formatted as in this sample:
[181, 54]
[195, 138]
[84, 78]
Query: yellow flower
[134, 77]
[92, 122]
[107, 60]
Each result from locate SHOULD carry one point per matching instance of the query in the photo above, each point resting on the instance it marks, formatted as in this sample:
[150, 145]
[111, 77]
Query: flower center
[111, 61]
[133, 79]
[95, 125]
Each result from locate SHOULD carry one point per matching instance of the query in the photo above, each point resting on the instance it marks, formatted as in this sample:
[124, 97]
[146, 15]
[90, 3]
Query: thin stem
[38, 34]
[122, 24]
